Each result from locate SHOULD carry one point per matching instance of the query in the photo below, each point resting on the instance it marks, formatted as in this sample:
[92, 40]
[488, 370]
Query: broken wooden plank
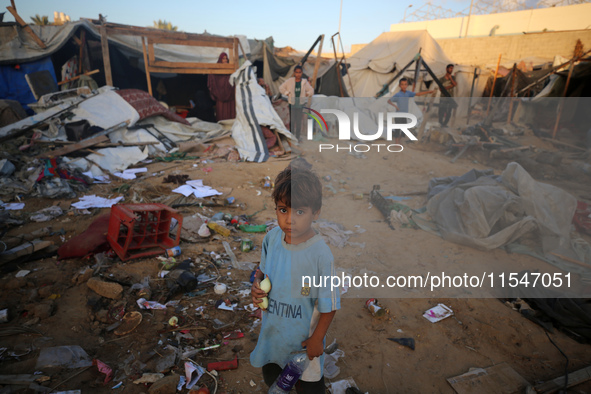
[75, 147]
[19, 379]
[86, 143]
[563, 144]
[26, 27]
[23, 250]
[13, 240]
[575, 378]
[106, 57]
[78, 77]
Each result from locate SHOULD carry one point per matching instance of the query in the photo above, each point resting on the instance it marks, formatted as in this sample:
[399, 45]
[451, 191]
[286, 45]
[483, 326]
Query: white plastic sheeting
[106, 110]
[18, 46]
[117, 159]
[253, 110]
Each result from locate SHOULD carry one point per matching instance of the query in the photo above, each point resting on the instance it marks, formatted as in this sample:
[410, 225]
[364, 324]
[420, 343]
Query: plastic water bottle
[292, 372]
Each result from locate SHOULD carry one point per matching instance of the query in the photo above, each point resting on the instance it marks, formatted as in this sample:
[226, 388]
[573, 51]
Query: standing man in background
[296, 89]
[446, 105]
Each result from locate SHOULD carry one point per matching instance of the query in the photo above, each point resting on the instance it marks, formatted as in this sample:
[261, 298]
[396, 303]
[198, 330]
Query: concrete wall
[484, 51]
[574, 17]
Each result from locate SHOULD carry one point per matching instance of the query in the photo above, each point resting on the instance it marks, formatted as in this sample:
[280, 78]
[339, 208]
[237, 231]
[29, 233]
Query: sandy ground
[483, 332]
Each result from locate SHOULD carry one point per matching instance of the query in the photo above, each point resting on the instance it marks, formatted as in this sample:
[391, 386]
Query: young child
[298, 314]
[400, 102]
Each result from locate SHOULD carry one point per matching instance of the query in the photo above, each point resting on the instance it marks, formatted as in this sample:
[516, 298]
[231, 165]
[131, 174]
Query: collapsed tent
[21, 55]
[253, 110]
[486, 212]
[278, 68]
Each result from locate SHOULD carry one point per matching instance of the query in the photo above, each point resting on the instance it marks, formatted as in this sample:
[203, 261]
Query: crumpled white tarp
[488, 213]
[106, 110]
[253, 109]
[493, 211]
[117, 159]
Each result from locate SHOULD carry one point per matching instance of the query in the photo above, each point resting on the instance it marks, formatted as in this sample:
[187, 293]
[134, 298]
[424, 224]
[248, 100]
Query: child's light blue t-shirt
[294, 308]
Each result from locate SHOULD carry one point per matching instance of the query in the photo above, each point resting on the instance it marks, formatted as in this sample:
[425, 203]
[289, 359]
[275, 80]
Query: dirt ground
[483, 332]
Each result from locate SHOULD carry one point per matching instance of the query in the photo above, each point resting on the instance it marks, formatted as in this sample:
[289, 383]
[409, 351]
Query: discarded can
[267, 182]
[372, 305]
[246, 245]
[357, 196]
[173, 251]
[230, 200]
[218, 229]
[227, 217]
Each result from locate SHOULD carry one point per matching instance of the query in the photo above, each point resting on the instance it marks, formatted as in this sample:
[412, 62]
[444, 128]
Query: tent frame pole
[492, 89]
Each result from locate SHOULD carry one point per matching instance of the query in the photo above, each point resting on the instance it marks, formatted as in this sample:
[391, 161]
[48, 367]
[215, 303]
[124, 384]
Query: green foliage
[40, 20]
[164, 25]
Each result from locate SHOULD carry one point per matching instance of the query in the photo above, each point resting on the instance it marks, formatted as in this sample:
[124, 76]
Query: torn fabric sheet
[12, 206]
[253, 110]
[96, 202]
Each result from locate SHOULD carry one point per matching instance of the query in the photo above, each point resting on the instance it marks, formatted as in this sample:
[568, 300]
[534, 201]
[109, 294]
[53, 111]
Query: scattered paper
[96, 202]
[196, 188]
[189, 369]
[438, 313]
[97, 178]
[225, 307]
[341, 386]
[13, 206]
[130, 173]
[22, 273]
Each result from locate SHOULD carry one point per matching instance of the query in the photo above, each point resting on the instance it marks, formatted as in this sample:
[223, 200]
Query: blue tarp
[14, 86]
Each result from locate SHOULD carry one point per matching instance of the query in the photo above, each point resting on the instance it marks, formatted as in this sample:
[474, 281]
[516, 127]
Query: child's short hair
[298, 188]
[402, 79]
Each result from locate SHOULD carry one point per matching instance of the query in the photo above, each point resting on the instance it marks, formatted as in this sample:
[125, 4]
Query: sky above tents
[293, 23]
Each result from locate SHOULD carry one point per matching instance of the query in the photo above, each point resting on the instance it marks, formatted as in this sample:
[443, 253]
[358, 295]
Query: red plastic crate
[140, 230]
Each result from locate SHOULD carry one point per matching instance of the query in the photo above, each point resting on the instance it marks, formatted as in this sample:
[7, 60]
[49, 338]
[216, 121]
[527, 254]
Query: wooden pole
[82, 42]
[493, 85]
[77, 77]
[146, 66]
[417, 71]
[561, 104]
[26, 27]
[513, 72]
[106, 58]
[317, 65]
[476, 74]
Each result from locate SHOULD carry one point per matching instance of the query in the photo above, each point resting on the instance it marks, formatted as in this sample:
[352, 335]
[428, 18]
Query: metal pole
[492, 90]
[476, 75]
[561, 104]
[469, 15]
[513, 72]
[340, 17]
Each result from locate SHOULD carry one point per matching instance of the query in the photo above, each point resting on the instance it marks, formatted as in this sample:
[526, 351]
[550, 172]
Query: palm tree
[40, 20]
[163, 24]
